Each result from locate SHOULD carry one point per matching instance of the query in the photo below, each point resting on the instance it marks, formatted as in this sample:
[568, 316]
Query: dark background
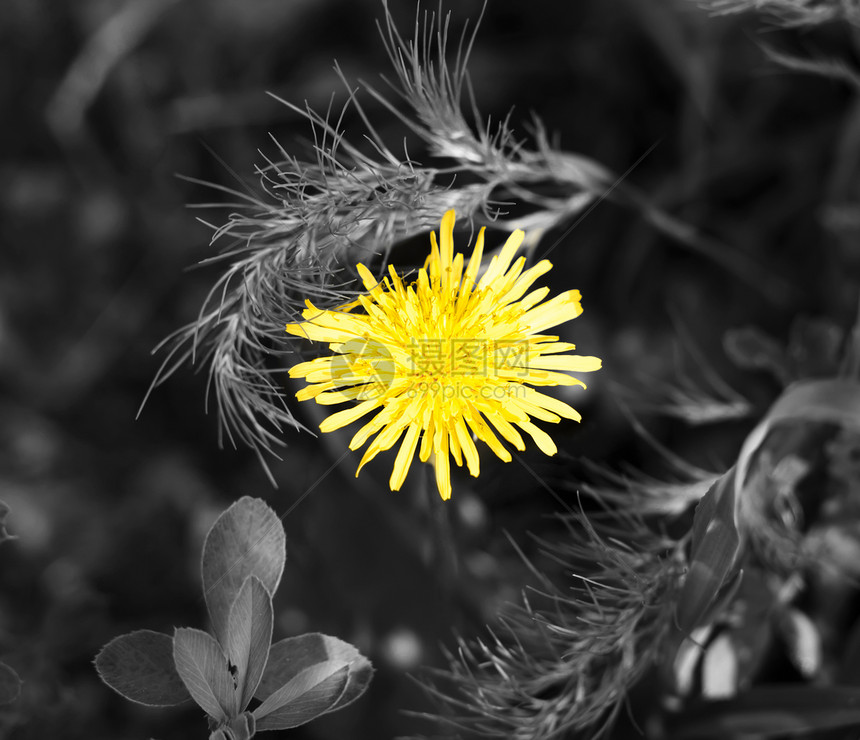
[96, 239]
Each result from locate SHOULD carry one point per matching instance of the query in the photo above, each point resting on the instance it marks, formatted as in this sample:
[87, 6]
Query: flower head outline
[447, 360]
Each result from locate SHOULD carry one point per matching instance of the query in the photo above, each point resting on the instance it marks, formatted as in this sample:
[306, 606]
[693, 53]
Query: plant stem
[441, 549]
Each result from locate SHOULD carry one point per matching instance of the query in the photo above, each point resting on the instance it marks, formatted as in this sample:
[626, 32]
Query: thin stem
[441, 551]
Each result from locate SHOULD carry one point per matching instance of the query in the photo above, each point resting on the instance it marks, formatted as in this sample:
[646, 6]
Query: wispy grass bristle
[312, 219]
[791, 12]
[298, 236]
[564, 660]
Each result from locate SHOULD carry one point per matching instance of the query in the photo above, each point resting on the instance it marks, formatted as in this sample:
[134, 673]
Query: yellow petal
[571, 363]
[342, 396]
[553, 404]
[456, 272]
[433, 261]
[371, 284]
[303, 369]
[541, 377]
[506, 430]
[427, 439]
[541, 438]
[533, 298]
[562, 308]
[454, 446]
[369, 429]
[531, 409]
[372, 364]
[446, 234]
[330, 327]
[312, 391]
[404, 457]
[347, 416]
[546, 347]
[385, 441]
[470, 452]
[475, 259]
[396, 282]
[443, 469]
[526, 280]
[500, 263]
[485, 434]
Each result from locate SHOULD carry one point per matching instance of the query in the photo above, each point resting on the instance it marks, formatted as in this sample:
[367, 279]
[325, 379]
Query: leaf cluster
[294, 680]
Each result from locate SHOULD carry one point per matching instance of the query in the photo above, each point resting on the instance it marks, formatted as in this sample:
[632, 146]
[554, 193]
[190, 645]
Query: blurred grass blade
[10, 684]
[716, 541]
[834, 400]
[4, 535]
[770, 711]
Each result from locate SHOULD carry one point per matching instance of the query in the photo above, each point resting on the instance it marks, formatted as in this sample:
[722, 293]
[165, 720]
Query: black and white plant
[292, 681]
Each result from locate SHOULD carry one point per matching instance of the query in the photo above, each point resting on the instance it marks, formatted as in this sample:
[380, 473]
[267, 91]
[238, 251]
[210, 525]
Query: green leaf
[768, 711]
[832, 400]
[247, 539]
[10, 684]
[717, 534]
[202, 666]
[139, 666]
[314, 691]
[715, 545]
[249, 635]
[289, 657]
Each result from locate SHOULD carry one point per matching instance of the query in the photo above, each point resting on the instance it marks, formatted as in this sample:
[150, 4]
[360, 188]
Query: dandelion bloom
[445, 359]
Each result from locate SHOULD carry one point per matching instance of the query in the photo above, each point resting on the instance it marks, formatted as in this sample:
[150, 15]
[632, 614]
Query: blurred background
[105, 102]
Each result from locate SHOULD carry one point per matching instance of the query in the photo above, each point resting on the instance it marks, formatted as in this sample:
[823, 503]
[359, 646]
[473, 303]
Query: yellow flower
[447, 359]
